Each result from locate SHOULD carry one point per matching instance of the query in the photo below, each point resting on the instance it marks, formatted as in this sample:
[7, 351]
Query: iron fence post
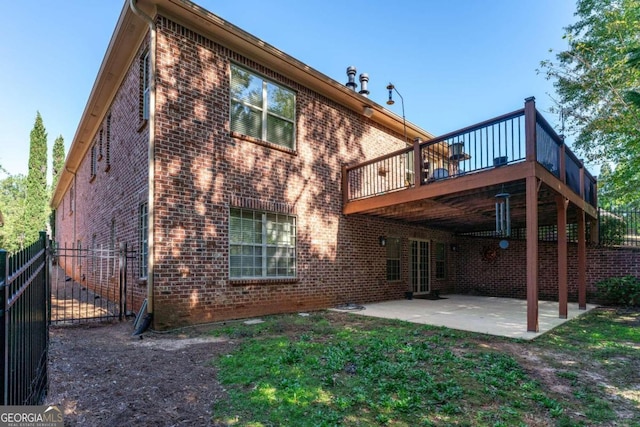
[122, 279]
[4, 336]
[45, 304]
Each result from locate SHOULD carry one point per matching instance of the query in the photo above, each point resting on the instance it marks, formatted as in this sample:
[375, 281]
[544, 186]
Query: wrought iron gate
[90, 284]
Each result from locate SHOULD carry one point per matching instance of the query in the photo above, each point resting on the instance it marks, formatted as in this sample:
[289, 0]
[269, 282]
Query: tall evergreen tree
[58, 160]
[36, 209]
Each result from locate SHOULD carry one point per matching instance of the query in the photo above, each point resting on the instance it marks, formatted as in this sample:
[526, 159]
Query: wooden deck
[451, 183]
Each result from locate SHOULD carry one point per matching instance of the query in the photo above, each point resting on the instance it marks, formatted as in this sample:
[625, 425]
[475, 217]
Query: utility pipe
[151, 158]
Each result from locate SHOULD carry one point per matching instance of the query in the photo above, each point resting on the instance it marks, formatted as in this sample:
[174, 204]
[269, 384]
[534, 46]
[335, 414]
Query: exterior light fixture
[382, 240]
[367, 111]
[390, 101]
[503, 214]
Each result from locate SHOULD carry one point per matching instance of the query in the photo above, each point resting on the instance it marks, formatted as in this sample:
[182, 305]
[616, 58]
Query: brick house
[222, 162]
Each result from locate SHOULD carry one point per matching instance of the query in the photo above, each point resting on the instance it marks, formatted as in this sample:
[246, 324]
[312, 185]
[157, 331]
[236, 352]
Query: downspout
[151, 166]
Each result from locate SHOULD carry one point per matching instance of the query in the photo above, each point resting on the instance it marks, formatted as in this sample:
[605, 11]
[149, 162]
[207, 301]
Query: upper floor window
[94, 159]
[145, 83]
[262, 109]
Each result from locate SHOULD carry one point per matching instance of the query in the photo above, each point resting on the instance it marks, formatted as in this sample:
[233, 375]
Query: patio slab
[504, 317]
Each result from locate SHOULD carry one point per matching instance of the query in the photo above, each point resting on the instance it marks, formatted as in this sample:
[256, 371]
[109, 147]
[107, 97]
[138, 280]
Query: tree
[13, 190]
[58, 160]
[36, 210]
[633, 96]
[592, 80]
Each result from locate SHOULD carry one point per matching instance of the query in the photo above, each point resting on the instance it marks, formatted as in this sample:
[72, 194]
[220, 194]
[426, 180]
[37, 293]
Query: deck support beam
[582, 261]
[562, 204]
[532, 254]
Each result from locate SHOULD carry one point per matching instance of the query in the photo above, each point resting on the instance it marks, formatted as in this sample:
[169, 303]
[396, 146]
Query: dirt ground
[100, 375]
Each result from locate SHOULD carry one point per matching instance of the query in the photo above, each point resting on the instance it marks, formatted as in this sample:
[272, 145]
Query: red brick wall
[116, 191]
[505, 276]
[202, 170]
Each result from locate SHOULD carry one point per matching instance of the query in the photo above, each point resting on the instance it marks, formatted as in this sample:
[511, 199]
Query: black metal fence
[616, 227]
[24, 324]
[619, 227]
[90, 284]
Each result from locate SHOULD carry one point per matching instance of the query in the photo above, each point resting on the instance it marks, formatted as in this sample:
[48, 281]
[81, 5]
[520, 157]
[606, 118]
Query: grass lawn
[329, 369]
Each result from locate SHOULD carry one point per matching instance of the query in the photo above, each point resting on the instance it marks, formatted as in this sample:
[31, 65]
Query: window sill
[263, 281]
[238, 135]
[142, 281]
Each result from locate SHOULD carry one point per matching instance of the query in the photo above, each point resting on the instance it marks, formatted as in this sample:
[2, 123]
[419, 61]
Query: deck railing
[490, 144]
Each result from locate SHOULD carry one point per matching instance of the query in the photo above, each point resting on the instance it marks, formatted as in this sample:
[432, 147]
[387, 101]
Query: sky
[455, 62]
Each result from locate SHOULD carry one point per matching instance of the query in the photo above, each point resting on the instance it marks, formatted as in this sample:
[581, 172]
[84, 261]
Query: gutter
[151, 165]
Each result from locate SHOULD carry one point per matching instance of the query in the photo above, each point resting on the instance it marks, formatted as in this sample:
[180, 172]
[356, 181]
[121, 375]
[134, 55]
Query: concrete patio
[504, 317]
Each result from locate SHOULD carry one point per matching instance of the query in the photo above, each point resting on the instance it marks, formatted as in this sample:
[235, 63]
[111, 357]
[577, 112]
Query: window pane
[393, 269]
[279, 131]
[280, 101]
[393, 247]
[246, 120]
[246, 87]
[235, 230]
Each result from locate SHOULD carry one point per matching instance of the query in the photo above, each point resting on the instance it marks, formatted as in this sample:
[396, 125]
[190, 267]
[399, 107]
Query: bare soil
[100, 375]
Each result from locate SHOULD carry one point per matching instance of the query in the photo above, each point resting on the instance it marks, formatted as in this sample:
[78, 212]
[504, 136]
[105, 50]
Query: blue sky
[455, 62]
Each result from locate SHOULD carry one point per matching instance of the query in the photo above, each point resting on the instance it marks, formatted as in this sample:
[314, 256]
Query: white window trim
[264, 108]
[265, 246]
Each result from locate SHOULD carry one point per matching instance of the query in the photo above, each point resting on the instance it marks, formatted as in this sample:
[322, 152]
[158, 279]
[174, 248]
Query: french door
[419, 266]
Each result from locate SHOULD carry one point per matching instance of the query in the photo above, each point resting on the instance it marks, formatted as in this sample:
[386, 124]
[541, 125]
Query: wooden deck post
[532, 254]
[530, 129]
[582, 262]
[562, 204]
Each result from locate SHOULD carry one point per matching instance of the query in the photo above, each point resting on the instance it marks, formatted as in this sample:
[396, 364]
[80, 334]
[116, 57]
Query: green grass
[333, 369]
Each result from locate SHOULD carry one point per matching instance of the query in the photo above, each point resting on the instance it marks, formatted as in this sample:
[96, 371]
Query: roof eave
[129, 33]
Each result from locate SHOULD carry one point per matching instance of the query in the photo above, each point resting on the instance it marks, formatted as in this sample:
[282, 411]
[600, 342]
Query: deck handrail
[502, 140]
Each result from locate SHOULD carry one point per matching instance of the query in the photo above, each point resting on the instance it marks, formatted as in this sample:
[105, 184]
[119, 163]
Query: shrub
[620, 290]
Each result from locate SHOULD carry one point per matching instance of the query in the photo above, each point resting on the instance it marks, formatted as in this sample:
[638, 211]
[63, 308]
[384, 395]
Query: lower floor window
[393, 259]
[261, 244]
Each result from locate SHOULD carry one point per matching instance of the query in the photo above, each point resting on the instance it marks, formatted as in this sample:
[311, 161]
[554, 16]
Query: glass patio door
[419, 273]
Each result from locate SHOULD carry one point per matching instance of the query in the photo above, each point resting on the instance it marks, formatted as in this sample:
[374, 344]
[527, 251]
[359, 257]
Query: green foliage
[592, 79]
[613, 228]
[373, 372]
[633, 96]
[620, 290]
[13, 192]
[36, 211]
[58, 165]
[58, 160]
